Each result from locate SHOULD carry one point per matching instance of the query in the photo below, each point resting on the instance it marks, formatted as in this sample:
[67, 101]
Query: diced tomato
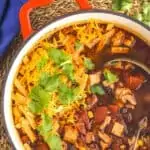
[100, 114]
[113, 108]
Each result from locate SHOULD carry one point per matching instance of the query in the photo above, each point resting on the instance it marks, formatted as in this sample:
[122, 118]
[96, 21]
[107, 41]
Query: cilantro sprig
[97, 89]
[69, 71]
[40, 99]
[42, 62]
[58, 56]
[109, 76]
[89, 65]
[45, 129]
[49, 83]
[62, 60]
[78, 45]
[41, 94]
[54, 142]
[46, 126]
[68, 95]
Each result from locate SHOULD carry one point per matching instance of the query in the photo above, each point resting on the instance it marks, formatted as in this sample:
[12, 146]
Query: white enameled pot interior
[83, 16]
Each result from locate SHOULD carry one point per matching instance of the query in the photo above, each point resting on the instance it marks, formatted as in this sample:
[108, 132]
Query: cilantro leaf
[124, 5]
[49, 83]
[97, 89]
[78, 45]
[63, 60]
[45, 126]
[67, 95]
[42, 62]
[58, 56]
[69, 70]
[109, 76]
[89, 65]
[44, 78]
[54, 142]
[40, 99]
[35, 106]
[45, 129]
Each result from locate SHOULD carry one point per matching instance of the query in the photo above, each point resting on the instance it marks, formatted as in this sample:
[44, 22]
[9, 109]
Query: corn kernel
[140, 143]
[122, 147]
[90, 114]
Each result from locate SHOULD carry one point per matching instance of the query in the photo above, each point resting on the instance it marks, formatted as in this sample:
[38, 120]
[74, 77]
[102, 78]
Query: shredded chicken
[91, 101]
[130, 106]
[125, 95]
[108, 84]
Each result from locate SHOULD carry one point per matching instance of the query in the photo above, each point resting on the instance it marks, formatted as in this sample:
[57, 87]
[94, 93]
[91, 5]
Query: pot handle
[25, 24]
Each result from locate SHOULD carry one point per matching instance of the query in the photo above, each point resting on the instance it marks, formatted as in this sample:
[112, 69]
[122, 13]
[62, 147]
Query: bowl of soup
[59, 95]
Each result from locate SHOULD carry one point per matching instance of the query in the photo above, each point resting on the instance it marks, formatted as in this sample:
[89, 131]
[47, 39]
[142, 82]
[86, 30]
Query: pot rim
[36, 32]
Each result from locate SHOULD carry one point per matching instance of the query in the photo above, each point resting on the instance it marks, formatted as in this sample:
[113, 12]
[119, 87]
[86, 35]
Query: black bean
[124, 110]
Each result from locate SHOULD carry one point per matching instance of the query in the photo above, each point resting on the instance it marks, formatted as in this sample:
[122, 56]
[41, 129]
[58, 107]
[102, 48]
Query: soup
[65, 98]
